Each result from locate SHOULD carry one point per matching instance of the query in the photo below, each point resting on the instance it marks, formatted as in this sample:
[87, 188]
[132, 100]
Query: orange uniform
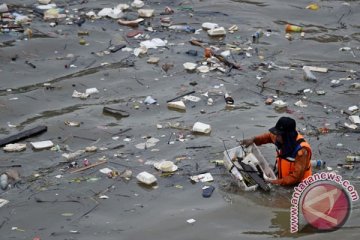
[291, 170]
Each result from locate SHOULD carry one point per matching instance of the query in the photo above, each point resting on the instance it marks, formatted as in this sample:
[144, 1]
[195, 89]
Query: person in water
[293, 152]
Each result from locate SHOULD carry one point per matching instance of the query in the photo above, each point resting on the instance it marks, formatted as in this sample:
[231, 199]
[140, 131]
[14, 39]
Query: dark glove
[247, 142]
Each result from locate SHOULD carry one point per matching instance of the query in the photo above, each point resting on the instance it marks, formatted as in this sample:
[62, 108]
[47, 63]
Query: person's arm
[295, 177]
[264, 138]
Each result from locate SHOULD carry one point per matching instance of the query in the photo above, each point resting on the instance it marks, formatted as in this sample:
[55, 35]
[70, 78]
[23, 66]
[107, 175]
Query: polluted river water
[45, 62]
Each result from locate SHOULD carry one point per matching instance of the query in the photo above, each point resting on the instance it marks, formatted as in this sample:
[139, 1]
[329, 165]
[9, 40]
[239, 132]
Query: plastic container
[318, 163]
[308, 75]
[252, 157]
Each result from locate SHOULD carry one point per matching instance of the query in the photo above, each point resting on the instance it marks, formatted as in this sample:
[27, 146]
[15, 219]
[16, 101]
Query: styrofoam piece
[14, 147]
[147, 13]
[354, 119]
[254, 158]
[105, 170]
[3, 202]
[114, 13]
[205, 177]
[279, 104]
[201, 127]
[317, 69]
[146, 178]
[42, 144]
[46, 7]
[217, 32]
[300, 104]
[153, 43]
[190, 66]
[44, 2]
[137, 4]
[90, 91]
[351, 126]
[208, 25]
[166, 166]
[177, 105]
[123, 6]
[353, 108]
[72, 156]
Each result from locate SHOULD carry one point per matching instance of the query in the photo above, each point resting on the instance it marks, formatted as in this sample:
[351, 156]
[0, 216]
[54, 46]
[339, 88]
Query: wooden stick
[23, 135]
[90, 166]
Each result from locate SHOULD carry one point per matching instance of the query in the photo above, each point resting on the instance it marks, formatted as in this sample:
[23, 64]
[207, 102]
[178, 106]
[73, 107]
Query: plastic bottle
[183, 28]
[258, 34]
[318, 163]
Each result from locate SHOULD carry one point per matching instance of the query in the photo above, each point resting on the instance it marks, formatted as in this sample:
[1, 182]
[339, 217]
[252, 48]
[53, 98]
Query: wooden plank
[22, 135]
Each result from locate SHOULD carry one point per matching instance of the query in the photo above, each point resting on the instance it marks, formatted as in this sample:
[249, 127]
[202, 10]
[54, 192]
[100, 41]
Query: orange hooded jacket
[290, 171]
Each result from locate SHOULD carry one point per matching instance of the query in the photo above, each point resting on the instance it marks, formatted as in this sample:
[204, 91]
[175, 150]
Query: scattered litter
[279, 104]
[191, 221]
[300, 104]
[105, 170]
[4, 181]
[353, 108]
[146, 13]
[206, 177]
[153, 60]
[180, 105]
[201, 128]
[354, 119]
[3, 202]
[151, 142]
[146, 178]
[216, 32]
[208, 25]
[351, 126]
[103, 197]
[72, 156]
[15, 147]
[207, 191]
[149, 100]
[72, 123]
[308, 75]
[153, 43]
[192, 98]
[190, 66]
[42, 144]
[165, 166]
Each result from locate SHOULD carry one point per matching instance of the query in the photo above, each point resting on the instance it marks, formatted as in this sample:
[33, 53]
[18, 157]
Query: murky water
[37, 207]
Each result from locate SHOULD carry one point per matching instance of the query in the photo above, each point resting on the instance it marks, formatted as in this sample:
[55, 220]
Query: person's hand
[247, 142]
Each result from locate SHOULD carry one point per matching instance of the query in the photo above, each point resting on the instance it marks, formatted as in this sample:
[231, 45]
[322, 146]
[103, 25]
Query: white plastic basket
[252, 157]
